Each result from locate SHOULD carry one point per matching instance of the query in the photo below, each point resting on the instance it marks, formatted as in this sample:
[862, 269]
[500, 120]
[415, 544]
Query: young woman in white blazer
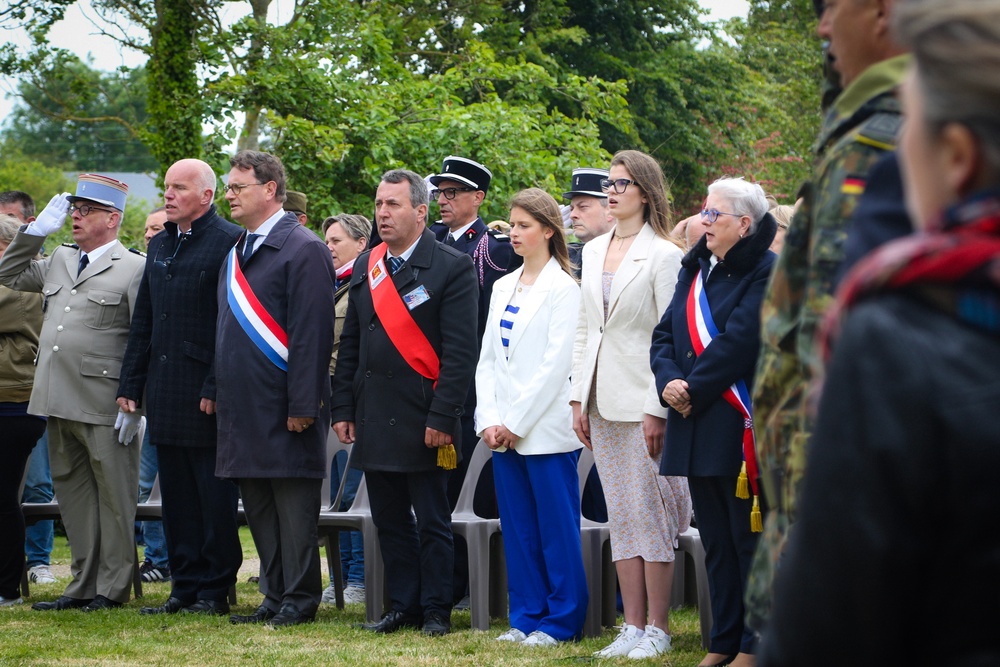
[627, 283]
[523, 415]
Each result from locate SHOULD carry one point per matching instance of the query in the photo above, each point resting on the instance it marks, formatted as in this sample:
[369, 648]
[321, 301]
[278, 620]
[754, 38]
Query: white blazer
[529, 391]
[619, 348]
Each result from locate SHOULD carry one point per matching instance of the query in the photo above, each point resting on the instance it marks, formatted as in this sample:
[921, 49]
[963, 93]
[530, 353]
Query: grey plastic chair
[602, 578]
[479, 535]
[690, 543]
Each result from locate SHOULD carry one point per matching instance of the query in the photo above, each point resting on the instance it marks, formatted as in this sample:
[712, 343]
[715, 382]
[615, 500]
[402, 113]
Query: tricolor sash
[702, 329]
[258, 324]
[403, 332]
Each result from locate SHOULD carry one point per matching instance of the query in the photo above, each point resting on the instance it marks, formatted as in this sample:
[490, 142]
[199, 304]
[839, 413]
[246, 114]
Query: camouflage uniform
[859, 128]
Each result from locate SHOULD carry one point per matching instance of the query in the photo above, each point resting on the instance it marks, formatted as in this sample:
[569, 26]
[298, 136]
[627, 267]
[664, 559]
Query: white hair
[744, 197]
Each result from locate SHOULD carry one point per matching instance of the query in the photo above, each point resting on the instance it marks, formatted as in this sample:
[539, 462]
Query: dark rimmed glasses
[618, 186]
[449, 193]
[85, 209]
[713, 214]
[237, 188]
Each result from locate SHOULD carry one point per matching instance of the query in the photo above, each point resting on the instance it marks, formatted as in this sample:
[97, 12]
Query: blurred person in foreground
[906, 443]
[703, 355]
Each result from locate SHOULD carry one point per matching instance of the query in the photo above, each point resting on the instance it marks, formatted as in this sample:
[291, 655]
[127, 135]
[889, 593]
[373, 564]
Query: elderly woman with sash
[703, 355]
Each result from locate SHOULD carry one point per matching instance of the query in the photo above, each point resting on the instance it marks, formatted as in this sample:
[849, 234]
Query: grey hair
[8, 227]
[956, 49]
[418, 188]
[356, 226]
[744, 197]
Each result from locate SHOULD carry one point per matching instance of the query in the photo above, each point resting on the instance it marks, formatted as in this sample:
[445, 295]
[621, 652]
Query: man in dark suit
[398, 416]
[275, 338]
[171, 348]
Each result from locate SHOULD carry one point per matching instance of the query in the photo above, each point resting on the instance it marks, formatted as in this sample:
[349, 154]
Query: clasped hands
[500, 436]
[675, 394]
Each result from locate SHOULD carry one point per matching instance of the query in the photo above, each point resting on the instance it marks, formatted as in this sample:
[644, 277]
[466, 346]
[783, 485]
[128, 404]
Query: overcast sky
[77, 33]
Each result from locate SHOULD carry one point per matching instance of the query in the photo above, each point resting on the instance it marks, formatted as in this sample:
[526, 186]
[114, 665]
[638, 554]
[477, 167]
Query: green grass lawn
[123, 637]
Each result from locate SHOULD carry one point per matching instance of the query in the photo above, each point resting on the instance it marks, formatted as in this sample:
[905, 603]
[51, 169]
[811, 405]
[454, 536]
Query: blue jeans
[352, 546]
[38, 489]
[152, 531]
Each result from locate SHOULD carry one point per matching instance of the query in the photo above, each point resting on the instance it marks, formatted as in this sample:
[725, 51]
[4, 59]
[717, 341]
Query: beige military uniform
[83, 337]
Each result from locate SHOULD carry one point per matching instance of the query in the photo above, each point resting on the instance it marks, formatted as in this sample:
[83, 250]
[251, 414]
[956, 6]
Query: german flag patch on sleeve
[853, 185]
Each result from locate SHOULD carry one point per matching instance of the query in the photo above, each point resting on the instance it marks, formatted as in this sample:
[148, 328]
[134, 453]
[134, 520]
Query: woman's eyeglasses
[618, 186]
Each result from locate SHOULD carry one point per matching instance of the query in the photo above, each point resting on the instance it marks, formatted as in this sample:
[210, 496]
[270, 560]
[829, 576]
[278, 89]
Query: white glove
[567, 221]
[52, 218]
[128, 424]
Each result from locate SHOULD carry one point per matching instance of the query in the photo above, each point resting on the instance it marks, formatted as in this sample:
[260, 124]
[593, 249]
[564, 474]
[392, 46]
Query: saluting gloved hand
[128, 425]
[52, 218]
[567, 221]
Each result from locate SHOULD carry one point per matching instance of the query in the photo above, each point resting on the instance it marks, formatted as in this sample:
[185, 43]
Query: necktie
[395, 263]
[84, 261]
[449, 239]
[248, 247]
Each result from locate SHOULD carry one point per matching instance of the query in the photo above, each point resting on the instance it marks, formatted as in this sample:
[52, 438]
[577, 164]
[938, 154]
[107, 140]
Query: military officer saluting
[89, 293]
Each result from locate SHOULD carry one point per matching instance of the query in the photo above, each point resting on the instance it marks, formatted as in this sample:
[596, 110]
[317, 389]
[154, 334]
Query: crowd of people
[808, 385]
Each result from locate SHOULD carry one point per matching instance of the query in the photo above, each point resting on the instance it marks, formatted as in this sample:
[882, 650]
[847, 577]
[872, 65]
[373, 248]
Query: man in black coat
[167, 364]
[398, 416]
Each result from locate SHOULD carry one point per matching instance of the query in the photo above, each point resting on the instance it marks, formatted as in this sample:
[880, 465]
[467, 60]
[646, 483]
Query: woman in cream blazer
[627, 282]
[523, 415]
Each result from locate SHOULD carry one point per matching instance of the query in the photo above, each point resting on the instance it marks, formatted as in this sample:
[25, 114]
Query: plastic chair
[478, 533]
[690, 543]
[331, 539]
[357, 517]
[602, 577]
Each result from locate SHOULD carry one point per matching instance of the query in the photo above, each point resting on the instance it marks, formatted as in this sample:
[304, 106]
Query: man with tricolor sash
[274, 340]
[403, 372]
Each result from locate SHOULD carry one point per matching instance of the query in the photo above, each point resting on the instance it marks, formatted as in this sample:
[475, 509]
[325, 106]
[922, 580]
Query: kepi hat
[464, 170]
[101, 189]
[587, 181]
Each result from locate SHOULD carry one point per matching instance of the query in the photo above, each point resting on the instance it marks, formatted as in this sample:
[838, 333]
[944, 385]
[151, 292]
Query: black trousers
[19, 437]
[199, 524]
[419, 555]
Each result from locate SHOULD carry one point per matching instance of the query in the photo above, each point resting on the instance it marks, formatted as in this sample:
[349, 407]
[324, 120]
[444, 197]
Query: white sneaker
[623, 643]
[41, 574]
[329, 595]
[354, 595]
[653, 643]
[539, 638]
[513, 635]
[10, 602]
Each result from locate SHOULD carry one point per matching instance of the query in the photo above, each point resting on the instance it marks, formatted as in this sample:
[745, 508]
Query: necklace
[621, 239]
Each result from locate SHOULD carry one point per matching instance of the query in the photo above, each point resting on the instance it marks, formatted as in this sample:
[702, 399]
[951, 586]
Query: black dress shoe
[290, 615]
[208, 607]
[61, 603]
[260, 615]
[436, 625]
[393, 621]
[101, 602]
[171, 606]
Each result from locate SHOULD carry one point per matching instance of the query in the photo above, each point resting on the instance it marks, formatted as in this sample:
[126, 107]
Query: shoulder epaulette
[880, 131]
[137, 251]
[71, 245]
[499, 236]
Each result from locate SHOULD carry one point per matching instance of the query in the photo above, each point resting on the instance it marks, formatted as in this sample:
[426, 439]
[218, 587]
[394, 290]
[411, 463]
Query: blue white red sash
[258, 324]
[702, 329]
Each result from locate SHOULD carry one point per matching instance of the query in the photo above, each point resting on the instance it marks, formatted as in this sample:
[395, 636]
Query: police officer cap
[464, 170]
[587, 181]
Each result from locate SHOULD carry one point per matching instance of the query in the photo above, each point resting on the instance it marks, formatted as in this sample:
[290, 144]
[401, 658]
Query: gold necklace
[621, 239]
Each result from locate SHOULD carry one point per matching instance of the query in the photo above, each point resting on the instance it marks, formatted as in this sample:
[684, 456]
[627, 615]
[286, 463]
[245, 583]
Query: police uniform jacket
[85, 328]
[389, 402]
[708, 443]
[291, 273]
[171, 346]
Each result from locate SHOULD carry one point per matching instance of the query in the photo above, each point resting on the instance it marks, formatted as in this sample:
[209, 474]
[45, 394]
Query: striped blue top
[506, 324]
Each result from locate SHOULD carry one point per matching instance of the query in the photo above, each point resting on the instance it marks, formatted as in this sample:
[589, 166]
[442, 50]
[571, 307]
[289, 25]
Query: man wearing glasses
[460, 189]
[89, 293]
[274, 340]
[167, 368]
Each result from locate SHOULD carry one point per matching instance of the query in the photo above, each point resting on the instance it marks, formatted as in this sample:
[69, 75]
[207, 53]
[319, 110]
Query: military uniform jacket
[85, 327]
[171, 346]
[389, 402]
[291, 273]
[709, 442]
[20, 324]
[860, 128]
[493, 257]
